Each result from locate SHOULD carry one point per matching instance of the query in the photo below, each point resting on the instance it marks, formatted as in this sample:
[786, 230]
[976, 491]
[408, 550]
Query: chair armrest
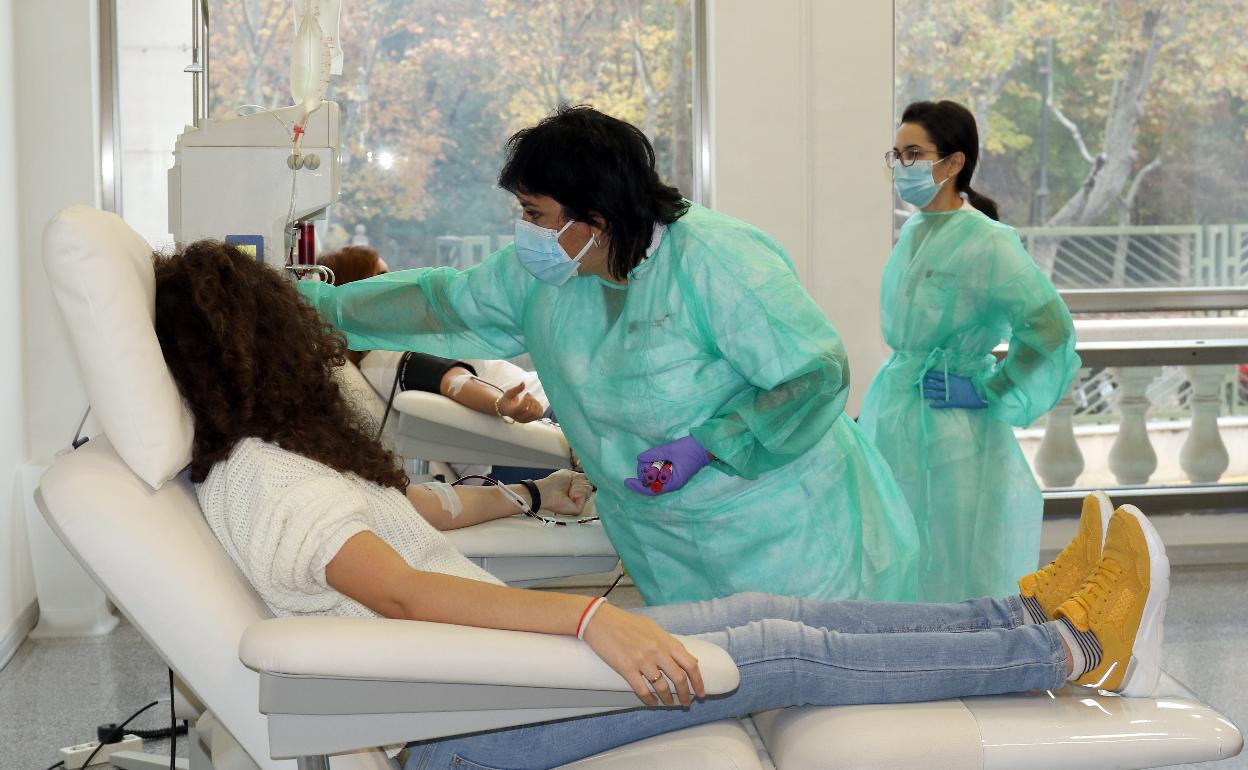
[416, 651]
[517, 536]
[332, 685]
[435, 427]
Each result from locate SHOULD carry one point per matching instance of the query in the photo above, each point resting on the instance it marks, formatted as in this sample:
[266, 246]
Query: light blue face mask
[542, 255]
[915, 184]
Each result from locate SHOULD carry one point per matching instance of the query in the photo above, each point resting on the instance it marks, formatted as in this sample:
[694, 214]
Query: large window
[155, 105]
[1113, 134]
[430, 91]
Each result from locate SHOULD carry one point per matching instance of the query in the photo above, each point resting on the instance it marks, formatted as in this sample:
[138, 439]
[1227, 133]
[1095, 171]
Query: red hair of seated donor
[251, 358]
[352, 263]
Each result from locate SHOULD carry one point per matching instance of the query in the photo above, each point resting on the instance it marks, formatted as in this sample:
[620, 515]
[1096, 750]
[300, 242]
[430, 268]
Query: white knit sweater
[283, 517]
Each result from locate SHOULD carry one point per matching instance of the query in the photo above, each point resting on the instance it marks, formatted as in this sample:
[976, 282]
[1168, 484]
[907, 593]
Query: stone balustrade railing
[1134, 365]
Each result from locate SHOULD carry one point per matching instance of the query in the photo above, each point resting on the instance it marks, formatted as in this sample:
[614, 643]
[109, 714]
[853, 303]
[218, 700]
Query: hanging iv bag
[317, 53]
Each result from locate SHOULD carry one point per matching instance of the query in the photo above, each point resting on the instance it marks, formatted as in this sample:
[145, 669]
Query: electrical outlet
[74, 756]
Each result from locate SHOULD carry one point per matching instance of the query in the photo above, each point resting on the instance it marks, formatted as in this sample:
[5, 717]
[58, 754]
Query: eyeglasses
[906, 157]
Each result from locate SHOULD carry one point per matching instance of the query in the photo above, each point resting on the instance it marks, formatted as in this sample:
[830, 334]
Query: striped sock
[1085, 650]
[1032, 614]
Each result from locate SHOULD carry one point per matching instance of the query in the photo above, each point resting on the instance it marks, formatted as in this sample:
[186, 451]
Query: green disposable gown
[712, 336]
[956, 285]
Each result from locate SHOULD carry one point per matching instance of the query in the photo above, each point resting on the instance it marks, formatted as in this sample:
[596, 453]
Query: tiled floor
[54, 693]
[1206, 644]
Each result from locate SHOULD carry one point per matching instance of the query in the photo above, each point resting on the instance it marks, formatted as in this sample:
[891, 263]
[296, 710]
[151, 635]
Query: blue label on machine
[251, 244]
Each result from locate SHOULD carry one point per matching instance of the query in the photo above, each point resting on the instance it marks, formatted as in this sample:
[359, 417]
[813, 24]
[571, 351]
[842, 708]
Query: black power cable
[618, 578]
[105, 733]
[112, 733]
[394, 389]
[173, 724]
[117, 733]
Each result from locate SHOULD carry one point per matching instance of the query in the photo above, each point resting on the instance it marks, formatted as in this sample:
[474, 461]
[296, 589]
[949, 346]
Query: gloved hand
[959, 393]
[686, 456]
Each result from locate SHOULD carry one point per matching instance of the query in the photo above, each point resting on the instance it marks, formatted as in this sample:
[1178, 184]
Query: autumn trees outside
[1092, 112]
[431, 90]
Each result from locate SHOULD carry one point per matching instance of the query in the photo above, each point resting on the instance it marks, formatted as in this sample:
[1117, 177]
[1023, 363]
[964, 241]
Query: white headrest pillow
[102, 277]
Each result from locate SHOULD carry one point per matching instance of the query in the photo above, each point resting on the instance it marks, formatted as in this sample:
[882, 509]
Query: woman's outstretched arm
[368, 570]
[446, 507]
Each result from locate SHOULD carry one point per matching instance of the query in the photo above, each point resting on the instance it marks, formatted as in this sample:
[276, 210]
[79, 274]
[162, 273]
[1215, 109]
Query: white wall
[17, 588]
[57, 52]
[801, 101]
[48, 145]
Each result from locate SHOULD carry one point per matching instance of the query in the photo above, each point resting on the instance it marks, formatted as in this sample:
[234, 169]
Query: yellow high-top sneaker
[1055, 582]
[1123, 603]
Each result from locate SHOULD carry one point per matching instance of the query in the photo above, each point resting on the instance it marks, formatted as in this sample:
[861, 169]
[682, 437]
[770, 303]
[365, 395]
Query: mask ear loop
[584, 250]
[951, 176]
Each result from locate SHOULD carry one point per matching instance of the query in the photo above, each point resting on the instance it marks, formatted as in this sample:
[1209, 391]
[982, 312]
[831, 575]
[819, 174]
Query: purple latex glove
[686, 456]
[957, 392]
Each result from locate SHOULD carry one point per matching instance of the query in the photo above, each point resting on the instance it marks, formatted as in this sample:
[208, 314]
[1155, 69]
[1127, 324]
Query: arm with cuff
[485, 397]
[447, 507]
[458, 381]
[454, 507]
[789, 353]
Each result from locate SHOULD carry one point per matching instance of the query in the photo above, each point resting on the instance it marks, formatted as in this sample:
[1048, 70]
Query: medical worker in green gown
[672, 342]
[943, 409]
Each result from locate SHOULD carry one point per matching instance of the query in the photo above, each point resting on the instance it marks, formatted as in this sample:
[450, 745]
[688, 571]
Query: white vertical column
[17, 586]
[1204, 457]
[801, 114]
[1059, 460]
[1132, 458]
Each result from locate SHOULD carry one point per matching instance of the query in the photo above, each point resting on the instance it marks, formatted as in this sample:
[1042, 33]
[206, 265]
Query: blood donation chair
[262, 690]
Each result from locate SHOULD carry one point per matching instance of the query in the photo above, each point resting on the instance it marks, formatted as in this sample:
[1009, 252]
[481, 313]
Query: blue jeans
[794, 652]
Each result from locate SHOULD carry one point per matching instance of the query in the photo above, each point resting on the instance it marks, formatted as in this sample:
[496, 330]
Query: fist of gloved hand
[686, 456]
[951, 391]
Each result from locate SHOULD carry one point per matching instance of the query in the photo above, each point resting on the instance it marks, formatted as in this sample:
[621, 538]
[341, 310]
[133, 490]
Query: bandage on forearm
[447, 497]
[457, 384]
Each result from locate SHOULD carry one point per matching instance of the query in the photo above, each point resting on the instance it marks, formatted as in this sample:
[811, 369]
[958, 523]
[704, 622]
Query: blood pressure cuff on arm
[419, 371]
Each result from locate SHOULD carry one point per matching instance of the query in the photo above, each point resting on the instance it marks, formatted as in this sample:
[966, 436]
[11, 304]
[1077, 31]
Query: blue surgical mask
[915, 184]
[542, 255]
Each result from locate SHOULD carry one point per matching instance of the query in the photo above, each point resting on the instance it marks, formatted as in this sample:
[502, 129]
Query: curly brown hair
[352, 263]
[252, 359]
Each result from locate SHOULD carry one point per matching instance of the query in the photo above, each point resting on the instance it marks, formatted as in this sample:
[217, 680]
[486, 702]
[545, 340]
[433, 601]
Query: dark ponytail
[951, 128]
[982, 202]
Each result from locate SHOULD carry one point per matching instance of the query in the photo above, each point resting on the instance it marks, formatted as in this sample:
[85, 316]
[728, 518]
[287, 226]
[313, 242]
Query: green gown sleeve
[753, 310]
[474, 313]
[1041, 362]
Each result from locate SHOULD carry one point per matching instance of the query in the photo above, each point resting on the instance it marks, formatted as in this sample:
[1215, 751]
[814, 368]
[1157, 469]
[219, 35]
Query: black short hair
[594, 164]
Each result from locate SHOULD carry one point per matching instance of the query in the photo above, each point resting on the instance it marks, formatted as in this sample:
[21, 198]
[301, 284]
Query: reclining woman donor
[320, 519]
